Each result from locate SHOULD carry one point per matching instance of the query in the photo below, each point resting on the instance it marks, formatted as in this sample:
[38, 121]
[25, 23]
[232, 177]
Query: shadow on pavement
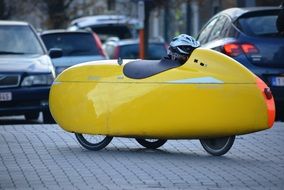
[147, 155]
[17, 120]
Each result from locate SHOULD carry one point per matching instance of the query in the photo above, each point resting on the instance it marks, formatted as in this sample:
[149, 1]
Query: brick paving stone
[46, 157]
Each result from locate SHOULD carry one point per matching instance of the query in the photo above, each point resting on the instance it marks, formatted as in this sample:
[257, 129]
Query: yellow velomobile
[211, 97]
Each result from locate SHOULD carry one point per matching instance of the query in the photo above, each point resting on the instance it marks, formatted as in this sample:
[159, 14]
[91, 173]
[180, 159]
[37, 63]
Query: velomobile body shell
[211, 95]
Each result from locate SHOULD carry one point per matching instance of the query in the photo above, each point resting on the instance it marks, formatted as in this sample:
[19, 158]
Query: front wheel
[151, 143]
[93, 142]
[218, 146]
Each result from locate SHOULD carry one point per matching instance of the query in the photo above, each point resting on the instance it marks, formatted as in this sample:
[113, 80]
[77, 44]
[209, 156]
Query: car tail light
[232, 49]
[249, 49]
[235, 49]
[99, 45]
[267, 94]
[116, 52]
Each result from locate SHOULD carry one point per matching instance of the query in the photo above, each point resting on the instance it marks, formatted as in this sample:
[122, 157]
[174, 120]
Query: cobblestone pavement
[46, 157]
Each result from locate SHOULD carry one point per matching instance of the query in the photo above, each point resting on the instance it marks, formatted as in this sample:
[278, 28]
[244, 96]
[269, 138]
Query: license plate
[277, 81]
[5, 96]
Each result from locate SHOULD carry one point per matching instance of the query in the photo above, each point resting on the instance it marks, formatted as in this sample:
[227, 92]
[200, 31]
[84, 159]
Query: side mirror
[55, 53]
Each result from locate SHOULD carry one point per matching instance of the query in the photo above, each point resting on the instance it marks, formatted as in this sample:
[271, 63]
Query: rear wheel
[93, 142]
[32, 116]
[218, 146]
[151, 143]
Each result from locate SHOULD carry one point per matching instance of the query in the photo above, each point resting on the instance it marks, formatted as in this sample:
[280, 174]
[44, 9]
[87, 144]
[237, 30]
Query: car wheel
[93, 142]
[32, 116]
[151, 143]
[47, 117]
[218, 146]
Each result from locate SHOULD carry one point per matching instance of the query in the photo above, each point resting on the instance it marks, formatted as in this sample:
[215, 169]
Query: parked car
[107, 26]
[77, 47]
[129, 49]
[250, 36]
[26, 72]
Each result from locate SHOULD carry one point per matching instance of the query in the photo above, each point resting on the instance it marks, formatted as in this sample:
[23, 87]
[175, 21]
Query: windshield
[259, 25]
[107, 31]
[155, 51]
[19, 40]
[72, 44]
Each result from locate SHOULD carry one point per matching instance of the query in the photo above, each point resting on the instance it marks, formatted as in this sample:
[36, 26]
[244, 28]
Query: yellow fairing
[210, 95]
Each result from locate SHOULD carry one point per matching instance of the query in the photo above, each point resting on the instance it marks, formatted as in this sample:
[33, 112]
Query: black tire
[47, 117]
[218, 146]
[151, 143]
[32, 116]
[86, 143]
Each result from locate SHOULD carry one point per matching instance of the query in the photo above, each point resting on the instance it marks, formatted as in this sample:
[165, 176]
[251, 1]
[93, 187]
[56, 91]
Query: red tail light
[232, 49]
[99, 45]
[235, 49]
[116, 52]
[249, 48]
[268, 93]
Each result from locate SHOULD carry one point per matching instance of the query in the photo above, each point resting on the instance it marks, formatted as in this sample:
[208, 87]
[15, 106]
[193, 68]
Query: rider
[181, 48]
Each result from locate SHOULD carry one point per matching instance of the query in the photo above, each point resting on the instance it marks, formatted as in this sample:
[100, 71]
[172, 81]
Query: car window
[226, 27]
[156, 51]
[107, 31]
[19, 40]
[259, 25]
[202, 37]
[216, 32]
[72, 44]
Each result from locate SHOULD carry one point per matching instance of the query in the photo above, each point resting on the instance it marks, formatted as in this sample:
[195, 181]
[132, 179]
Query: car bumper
[25, 100]
[278, 94]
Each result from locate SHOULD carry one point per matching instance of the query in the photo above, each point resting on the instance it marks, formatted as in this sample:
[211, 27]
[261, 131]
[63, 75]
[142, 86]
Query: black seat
[141, 69]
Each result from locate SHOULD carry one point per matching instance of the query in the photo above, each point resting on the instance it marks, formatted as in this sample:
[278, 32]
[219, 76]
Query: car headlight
[35, 80]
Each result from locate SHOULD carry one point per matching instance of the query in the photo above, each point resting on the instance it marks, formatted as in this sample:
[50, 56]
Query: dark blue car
[26, 72]
[250, 36]
[76, 46]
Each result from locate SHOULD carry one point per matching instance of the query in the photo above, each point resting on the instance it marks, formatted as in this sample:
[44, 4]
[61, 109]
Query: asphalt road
[37, 156]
